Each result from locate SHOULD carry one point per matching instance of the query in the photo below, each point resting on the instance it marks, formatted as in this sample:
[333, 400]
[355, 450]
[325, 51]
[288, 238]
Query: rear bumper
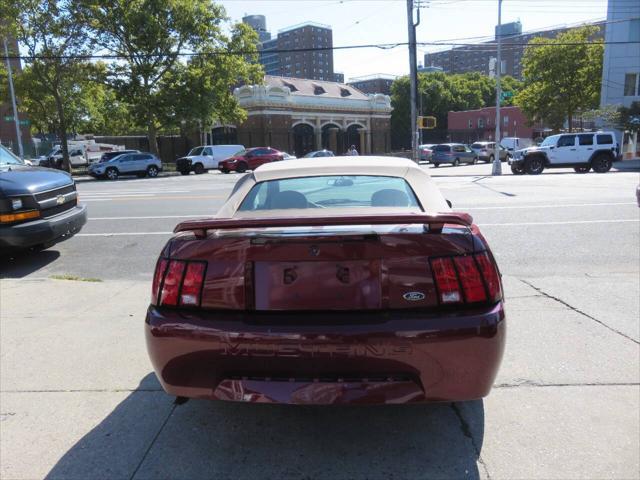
[397, 358]
[45, 231]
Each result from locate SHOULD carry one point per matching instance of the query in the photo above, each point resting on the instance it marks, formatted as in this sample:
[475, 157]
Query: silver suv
[580, 151]
[141, 164]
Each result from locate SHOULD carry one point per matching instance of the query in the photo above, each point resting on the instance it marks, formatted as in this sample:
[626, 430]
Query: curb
[88, 178]
[628, 165]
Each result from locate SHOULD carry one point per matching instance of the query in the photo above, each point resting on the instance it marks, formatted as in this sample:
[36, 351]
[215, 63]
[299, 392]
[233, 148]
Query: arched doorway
[352, 137]
[303, 139]
[332, 138]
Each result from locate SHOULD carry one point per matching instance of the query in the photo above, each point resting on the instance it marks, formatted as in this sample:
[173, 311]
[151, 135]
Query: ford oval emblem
[413, 296]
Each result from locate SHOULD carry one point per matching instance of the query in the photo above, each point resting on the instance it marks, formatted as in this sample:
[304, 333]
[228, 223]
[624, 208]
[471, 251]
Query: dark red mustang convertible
[327, 281]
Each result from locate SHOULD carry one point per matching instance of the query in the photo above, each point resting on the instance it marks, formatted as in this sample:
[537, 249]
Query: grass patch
[75, 278]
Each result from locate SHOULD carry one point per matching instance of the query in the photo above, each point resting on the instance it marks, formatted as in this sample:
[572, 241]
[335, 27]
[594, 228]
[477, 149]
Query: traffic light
[427, 122]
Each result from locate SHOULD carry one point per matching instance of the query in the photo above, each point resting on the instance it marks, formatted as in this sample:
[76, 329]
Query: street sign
[506, 95]
[25, 122]
[427, 122]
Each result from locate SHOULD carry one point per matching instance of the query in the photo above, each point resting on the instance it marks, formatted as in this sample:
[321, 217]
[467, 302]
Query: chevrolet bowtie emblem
[60, 199]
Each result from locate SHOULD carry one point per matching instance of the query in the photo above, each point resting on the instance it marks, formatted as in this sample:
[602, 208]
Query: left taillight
[178, 283]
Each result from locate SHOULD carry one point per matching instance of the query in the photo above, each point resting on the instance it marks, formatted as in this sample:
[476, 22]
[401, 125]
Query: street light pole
[497, 165]
[413, 78]
[16, 120]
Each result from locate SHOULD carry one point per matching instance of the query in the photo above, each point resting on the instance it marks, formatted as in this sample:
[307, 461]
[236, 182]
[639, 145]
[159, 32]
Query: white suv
[582, 151]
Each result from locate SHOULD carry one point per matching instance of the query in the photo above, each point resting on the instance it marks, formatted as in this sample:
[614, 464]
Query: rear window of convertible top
[334, 191]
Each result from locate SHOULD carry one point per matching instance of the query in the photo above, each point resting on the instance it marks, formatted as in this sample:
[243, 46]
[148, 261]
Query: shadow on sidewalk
[21, 264]
[146, 436]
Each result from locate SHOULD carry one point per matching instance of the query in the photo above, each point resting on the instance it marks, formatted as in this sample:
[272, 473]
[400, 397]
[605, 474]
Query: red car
[250, 159]
[324, 281]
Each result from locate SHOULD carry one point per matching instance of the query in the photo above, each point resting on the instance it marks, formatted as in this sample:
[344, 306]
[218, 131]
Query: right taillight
[178, 283]
[466, 279]
[490, 274]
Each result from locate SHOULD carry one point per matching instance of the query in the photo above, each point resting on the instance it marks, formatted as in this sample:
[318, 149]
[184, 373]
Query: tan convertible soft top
[423, 186]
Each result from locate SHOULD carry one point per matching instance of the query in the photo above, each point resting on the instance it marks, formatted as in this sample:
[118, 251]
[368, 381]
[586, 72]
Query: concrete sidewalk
[79, 400]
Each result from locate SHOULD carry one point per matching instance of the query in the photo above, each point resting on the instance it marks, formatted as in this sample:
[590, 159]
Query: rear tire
[225, 170]
[436, 165]
[111, 173]
[517, 170]
[582, 169]
[198, 168]
[241, 168]
[152, 171]
[534, 165]
[456, 162]
[475, 161]
[601, 164]
[491, 158]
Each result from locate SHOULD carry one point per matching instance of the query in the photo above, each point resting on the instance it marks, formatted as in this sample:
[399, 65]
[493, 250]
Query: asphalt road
[78, 398]
[556, 223]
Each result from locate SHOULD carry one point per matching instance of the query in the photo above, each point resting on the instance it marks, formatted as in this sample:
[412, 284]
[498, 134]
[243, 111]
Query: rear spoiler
[436, 222]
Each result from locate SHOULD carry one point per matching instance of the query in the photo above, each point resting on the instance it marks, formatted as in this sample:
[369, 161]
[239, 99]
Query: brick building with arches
[299, 116]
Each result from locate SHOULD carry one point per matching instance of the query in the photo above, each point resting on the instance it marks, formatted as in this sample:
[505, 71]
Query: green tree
[148, 36]
[629, 117]
[562, 77]
[439, 94]
[55, 43]
[198, 93]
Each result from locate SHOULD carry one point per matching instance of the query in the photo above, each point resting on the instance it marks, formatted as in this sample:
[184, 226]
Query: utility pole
[497, 165]
[413, 78]
[16, 120]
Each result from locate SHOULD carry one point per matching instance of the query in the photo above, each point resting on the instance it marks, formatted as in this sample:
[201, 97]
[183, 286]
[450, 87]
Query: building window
[630, 84]
[505, 120]
[481, 123]
[470, 123]
[634, 30]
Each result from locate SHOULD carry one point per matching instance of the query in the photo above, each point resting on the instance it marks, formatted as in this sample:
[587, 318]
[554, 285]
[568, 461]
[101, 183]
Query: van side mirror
[449, 203]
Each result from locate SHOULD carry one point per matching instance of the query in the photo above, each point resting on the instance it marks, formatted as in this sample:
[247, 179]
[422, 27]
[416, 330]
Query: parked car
[580, 151]
[142, 164]
[105, 157]
[288, 156]
[202, 159]
[516, 143]
[326, 281]
[250, 159]
[320, 153]
[38, 206]
[425, 151]
[453, 153]
[486, 151]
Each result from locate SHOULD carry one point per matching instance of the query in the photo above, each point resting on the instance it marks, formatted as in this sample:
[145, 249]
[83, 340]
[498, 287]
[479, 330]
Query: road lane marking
[570, 205]
[149, 197]
[121, 234]
[204, 215]
[569, 222]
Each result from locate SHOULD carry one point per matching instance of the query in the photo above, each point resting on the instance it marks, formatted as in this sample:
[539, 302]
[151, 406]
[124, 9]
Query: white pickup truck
[81, 154]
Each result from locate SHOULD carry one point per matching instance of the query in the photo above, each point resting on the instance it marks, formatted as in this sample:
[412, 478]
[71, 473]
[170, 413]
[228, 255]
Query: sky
[357, 22]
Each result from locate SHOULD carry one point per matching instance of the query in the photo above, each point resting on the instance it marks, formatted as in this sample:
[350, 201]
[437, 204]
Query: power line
[381, 46]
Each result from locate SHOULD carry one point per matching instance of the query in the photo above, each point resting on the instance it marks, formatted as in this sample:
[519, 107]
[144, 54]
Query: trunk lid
[359, 264]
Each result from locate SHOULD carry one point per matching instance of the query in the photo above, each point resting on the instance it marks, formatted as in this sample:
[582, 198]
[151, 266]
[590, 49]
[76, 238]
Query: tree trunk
[63, 134]
[152, 136]
[570, 121]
